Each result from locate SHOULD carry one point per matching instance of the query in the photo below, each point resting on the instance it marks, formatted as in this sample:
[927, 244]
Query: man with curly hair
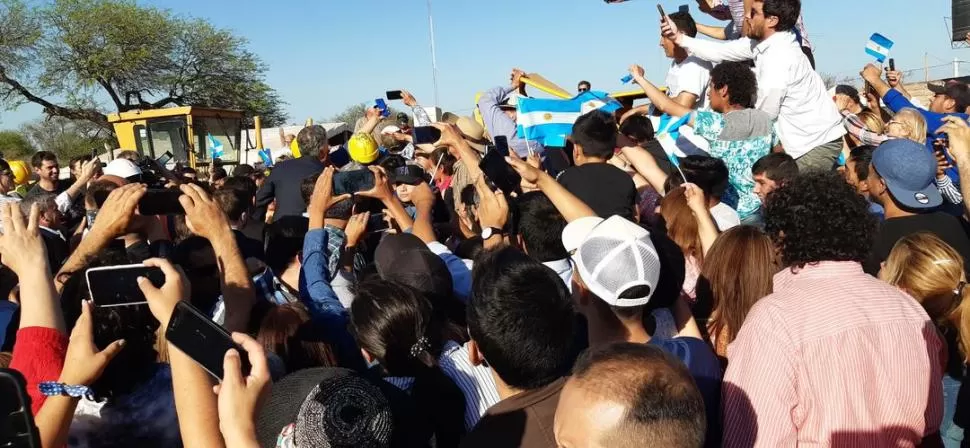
[833, 356]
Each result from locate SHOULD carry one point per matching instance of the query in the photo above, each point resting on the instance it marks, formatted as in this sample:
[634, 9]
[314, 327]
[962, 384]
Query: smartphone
[502, 145]
[165, 158]
[352, 181]
[376, 223]
[203, 340]
[394, 95]
[118, 285]
[17, 429]
[663, 15]
[426, 135]
[892, 64]
[160, 201]
[382, 106]
[498, 171]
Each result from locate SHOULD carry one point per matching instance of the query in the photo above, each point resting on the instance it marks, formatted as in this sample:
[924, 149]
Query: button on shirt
[789, 90]
[834, 357]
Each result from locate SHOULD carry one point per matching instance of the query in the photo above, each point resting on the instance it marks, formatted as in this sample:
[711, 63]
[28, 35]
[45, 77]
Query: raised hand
[240, 397]
[21, 246]
[84, 363]
[162, 301]
[203, 215]
[117, 215]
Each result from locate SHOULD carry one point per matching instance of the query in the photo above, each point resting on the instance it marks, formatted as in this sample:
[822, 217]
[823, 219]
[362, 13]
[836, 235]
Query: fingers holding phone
[84, 363]
[162, 300]
[241, 394]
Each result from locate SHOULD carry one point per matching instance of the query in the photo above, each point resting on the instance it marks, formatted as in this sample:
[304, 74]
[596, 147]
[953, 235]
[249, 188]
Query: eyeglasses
[583, 89]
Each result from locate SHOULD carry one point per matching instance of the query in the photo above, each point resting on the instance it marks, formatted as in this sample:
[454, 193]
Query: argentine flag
[878, 47]
[550, 121]
[215, 146]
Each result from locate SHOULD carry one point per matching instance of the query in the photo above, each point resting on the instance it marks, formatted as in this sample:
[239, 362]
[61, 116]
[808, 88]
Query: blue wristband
[55, 389]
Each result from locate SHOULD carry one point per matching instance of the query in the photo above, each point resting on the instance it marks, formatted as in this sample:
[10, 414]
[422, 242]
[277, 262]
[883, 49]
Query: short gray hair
[312, 140]
[46, 201]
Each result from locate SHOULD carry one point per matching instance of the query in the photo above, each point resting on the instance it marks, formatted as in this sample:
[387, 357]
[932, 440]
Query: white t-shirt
[691, 75]
[725, 217]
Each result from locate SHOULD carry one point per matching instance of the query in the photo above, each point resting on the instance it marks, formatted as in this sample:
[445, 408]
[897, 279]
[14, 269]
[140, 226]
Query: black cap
[406, 259]
[956, 91]
[408, 174]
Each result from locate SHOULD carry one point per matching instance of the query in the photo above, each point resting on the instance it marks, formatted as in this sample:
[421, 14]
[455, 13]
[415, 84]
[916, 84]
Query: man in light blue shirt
[498, 109]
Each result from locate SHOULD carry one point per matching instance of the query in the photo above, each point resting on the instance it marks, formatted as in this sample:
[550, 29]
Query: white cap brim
[576, 232]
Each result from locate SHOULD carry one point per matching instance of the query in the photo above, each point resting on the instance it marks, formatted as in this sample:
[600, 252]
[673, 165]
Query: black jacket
[283, 184]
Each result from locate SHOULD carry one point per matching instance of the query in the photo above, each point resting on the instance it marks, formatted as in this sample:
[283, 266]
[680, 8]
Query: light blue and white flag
[878, 47]
[267, 157]
[215, 146]
[550, 121]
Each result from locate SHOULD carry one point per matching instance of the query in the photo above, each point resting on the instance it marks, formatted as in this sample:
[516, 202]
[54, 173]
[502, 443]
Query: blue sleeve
[896, 102]
[461, 275]
[321, 300]
[497, 123]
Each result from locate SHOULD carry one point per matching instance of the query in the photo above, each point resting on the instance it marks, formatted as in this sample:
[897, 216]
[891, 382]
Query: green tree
[15, 146]
[65, 137]
[71, 56]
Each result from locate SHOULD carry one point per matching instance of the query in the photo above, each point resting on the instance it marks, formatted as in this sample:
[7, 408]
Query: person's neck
[606, 328]
[291, 277]
[587, 160]
[47, 184]
[732, 108]
[680, 57]
[504, 390]
[894, 211]
[768, 34]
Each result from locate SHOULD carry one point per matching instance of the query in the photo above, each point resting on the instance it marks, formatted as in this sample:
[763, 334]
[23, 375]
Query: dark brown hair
[287, 331]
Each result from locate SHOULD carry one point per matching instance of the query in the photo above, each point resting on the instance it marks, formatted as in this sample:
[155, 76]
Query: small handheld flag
[878, 47]
[266, 156]
[626, 79]
[549, 121]
[215, 146]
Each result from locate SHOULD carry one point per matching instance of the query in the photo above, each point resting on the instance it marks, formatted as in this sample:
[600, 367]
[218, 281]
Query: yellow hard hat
[20, 172]
[363, 148]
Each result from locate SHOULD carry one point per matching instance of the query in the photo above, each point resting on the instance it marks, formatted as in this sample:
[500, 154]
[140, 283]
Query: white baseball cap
[613, 256]
[122, 168]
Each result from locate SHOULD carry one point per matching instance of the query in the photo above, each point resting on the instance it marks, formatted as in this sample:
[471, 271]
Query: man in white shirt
[688, 76]
[789, 90]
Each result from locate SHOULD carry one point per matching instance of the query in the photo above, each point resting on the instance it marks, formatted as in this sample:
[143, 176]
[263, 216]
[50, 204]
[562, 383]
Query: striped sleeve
[475, 382]
[949, 190]
[759, 396]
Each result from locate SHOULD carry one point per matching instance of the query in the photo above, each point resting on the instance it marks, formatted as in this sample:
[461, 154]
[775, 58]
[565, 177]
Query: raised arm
[706, 229]
[959, 133]
[459, 148]
[658, 98]
[571, 207]
[715, 52]
[646, 165]
[195, 403]
[714, 32]
[205, 218]
[88, 170]
[421, 117]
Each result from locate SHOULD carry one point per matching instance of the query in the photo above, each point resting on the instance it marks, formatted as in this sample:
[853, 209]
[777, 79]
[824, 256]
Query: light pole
[434, 59]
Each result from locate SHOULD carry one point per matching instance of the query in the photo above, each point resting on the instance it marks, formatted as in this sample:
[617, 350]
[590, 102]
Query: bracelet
[55, 389]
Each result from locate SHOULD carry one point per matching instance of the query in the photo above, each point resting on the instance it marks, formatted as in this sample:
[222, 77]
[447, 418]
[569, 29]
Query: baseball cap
[390, 129]
[955, 90]
[910, 173]
[406, 259]
[408, 174]
[612, 257]
[336, 407]
[122, 168]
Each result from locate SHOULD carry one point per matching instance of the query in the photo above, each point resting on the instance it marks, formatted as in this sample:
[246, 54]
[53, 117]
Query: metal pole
[434, 59]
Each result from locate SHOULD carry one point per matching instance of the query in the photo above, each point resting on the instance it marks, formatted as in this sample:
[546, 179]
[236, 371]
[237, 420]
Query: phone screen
[165, 158]
[164, 201]
[203, 340]
[17, 427]
[118, 285]
[394, 95]
[352, 182]
[382, 106]
[498, 171]
[426, 135]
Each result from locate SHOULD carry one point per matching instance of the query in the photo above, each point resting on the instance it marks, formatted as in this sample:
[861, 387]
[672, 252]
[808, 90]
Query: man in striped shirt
[834, 357]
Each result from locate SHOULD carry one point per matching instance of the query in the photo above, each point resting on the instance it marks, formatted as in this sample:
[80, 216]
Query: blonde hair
[932, 272]
[916, 122]
[872, 121]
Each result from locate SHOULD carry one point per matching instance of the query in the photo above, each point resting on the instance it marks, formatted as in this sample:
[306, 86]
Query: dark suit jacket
[57, 249]
[283, 184]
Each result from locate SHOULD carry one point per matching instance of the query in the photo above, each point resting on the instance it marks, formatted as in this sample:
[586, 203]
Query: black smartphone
[160, 201]
[892, 64]
[17, 429]
[426, 134]
[377, 223]
[497, 170]
[203, 340]
[394, 95]
[351, 182]
[118, 285]
[165, 158]
[663, 15]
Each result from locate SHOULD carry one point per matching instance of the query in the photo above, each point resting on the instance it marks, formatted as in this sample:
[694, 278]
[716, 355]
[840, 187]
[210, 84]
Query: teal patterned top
[739, 138]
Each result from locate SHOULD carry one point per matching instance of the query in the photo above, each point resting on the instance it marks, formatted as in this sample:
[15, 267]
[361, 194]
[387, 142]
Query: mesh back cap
[612, 256]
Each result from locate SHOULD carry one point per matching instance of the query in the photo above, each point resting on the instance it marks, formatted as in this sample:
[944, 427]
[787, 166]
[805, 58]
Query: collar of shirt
[55, 232]
[779, 38]
[823, 269]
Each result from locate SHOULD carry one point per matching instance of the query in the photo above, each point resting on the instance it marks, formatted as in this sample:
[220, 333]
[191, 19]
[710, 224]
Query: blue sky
[324, 55]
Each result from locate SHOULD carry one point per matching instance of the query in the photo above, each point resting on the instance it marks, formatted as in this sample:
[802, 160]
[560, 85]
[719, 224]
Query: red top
[38, 355]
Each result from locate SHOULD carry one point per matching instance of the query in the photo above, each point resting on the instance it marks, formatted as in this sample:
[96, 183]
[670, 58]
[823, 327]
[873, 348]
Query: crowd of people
[800, 281]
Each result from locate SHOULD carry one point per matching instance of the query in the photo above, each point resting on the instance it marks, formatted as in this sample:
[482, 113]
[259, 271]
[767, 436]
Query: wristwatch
[489, 232]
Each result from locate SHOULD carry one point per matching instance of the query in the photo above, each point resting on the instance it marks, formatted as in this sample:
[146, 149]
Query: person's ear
[474, 356]
[949, 103]
[723, 91]
[367, 356]
[577, 151]
[772, 22]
